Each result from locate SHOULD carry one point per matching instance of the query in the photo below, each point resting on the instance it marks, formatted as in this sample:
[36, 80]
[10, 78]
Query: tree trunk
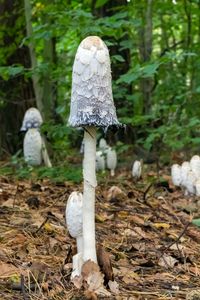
[145, 49]
[16, 92]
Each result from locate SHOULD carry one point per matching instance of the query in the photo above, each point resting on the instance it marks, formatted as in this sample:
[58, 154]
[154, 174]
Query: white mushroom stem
[77, 263]
[89, 174]
[79, 244]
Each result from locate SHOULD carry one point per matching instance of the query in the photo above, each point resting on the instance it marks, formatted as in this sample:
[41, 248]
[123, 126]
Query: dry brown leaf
[114, 287]
[161, 225]
[115, 193]
[77, 281]
[94, 281]
[167, 261]
[87, 268]
[104, 262]
[8, 270]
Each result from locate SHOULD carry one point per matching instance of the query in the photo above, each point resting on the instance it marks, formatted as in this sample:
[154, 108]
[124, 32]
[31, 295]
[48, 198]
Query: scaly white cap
[91, 99]
[32, 119]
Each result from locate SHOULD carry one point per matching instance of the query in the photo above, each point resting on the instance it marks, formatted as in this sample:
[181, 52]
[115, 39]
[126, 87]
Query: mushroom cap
[33, 147]
[74, 214]
[91, 98]
[32, 119]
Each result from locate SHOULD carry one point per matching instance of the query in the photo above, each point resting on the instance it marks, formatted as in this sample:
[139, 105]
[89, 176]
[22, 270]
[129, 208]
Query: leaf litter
[148, 247]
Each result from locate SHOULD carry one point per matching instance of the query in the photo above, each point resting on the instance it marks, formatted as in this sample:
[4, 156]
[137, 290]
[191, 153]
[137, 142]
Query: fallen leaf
[161, 225]
[8, 270]
[167, 261]
[114, 287]
[105, 263]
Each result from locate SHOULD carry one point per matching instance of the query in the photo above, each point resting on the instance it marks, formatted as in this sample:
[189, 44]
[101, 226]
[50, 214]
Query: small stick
[179, 237]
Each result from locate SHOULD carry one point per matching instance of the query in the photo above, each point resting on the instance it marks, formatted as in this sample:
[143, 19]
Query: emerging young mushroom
[176, 174]
[74, 221]
[33, 147]
[32, 119]
[137, 169]
[92, 106]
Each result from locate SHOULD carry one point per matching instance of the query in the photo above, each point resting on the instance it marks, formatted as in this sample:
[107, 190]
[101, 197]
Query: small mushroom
[185, 168]
[33, 147]
[92, 106]
[176, 174]
[74, 218]
[190, 182]
[74, 221]
[137, 169]
[32, 119]
[111, 160]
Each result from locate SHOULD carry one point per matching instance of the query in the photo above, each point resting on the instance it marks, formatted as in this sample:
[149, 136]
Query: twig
[43, 223]
[178, 238]
[25, 297]
[146, 191]
[15, 195]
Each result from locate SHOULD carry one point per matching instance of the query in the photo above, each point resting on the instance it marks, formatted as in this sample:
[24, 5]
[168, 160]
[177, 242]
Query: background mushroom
[33, 147]
[111, 160]
[92, 106]
[137, 169]
[33, 120]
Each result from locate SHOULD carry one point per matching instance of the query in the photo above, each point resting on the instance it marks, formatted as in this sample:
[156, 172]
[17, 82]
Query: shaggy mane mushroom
[92, 106]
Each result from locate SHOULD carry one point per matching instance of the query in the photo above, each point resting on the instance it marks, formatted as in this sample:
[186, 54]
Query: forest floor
[146, 228]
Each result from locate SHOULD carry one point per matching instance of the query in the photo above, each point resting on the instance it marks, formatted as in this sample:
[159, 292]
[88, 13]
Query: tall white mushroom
[32, 119]
[74, 221]
[33, 147]
[111, 160]
[91, 106]
[137, 169]
[176, 174]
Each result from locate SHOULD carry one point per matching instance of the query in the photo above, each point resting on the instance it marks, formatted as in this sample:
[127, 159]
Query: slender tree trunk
[36, 78]
[16, 93]
[145, 48]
